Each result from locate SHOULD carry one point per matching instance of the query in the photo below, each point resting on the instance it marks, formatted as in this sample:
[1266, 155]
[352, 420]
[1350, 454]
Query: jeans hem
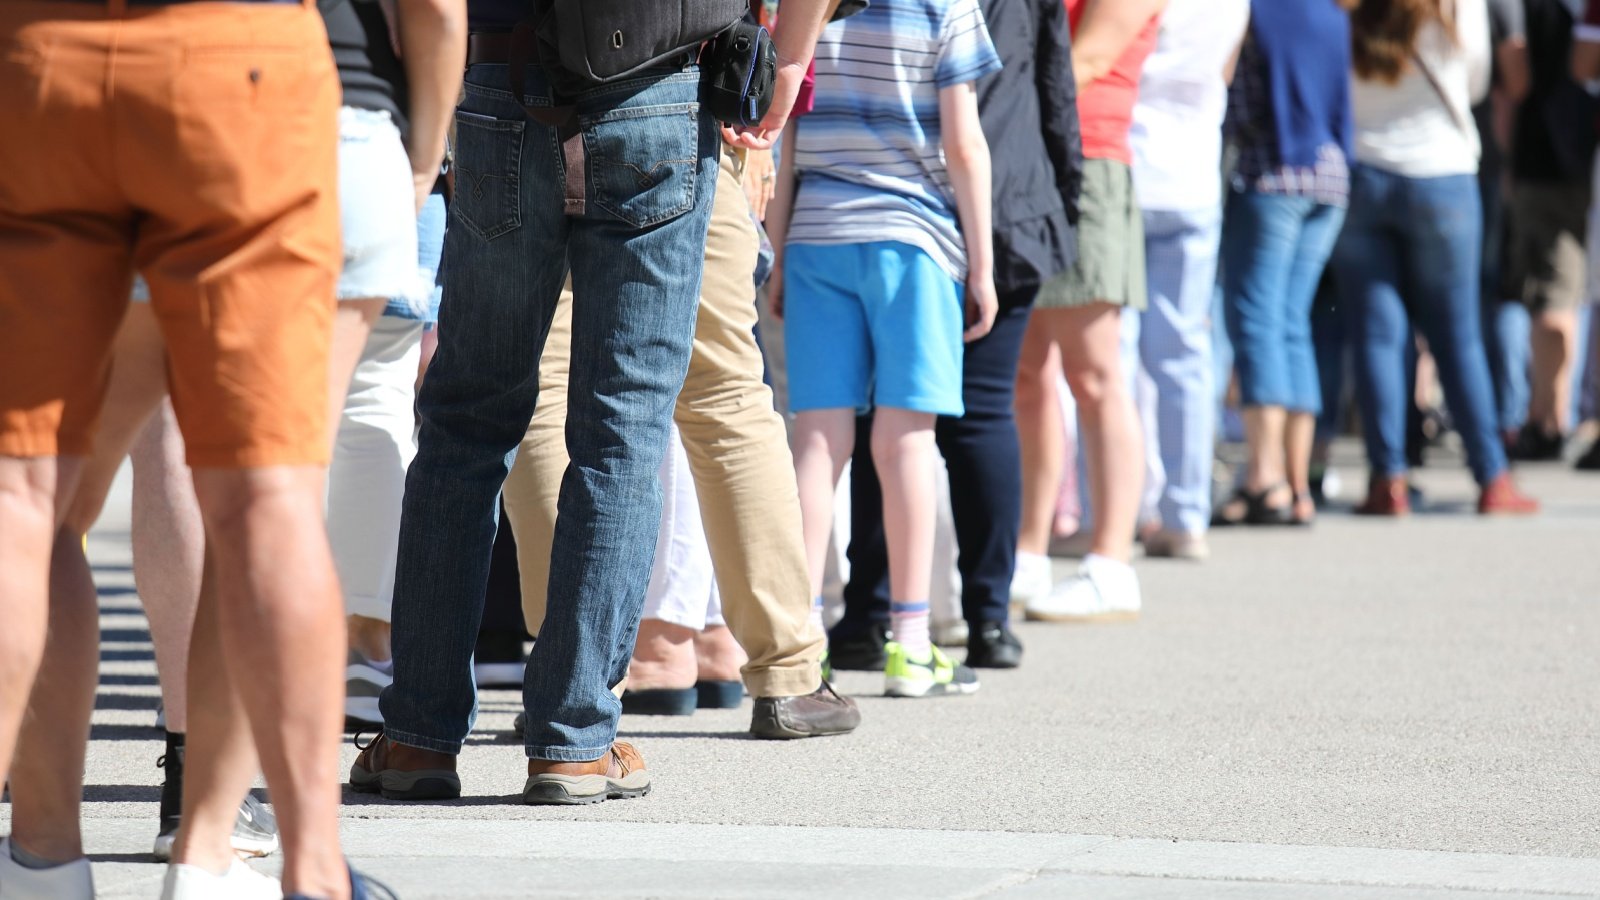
[567, 754]
[422, 743]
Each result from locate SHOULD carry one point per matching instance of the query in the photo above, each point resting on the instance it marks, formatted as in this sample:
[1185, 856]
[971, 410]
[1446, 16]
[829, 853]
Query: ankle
[46, 851]
[370, 638]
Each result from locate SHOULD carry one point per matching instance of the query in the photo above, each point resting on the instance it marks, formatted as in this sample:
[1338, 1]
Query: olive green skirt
[1110, 267]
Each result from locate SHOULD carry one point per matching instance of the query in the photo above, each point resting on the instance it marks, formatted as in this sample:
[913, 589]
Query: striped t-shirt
[868, 156]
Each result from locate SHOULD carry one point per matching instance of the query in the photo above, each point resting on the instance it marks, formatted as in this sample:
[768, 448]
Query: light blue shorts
[377, 215]
[878, 322]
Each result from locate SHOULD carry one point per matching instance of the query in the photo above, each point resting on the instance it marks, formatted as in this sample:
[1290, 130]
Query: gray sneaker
[364, 682]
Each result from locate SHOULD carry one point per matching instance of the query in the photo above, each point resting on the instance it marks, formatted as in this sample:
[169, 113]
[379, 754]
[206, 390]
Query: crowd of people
[1014, 269]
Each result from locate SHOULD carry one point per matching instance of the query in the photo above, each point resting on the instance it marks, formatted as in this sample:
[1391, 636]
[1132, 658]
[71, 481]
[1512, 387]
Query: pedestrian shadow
[124, 733]
[111, 679]
[124, 858]
[122, 793]
[353, 797]
[114, 654]
[127, 701]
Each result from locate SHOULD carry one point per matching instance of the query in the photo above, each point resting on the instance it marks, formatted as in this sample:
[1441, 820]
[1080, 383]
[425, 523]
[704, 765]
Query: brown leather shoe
[1501, 497]
[817, 714]
[401, 772]
[1385, 497]
[619, 775]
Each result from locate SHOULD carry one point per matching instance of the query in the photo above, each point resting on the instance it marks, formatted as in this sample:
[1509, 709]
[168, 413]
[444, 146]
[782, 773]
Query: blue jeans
[1409, 256]
[1274, 248]
[634, 252]
[1171, 339]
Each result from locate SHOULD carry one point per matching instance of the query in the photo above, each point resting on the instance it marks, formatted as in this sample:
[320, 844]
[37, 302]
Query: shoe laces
[363, 733]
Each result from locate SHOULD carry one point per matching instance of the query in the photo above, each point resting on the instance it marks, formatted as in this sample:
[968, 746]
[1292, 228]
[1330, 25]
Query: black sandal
[1256, 509]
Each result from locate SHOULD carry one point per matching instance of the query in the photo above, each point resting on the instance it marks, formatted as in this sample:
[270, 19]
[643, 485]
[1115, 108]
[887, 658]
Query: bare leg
[281, 643]
[47, 775]
[1043, 437]
[823, 442]
[664, 657]
[168, 553]
[1299, 436]
[1090, 342]
[27, 511]
[904, 453]
[718, 656]
[1555, 338]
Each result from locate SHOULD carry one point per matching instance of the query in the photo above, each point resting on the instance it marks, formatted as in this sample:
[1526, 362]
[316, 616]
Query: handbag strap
[1466, 127]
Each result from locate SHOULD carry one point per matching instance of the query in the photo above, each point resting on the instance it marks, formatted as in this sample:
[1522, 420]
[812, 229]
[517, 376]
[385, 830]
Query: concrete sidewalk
[1364, 709]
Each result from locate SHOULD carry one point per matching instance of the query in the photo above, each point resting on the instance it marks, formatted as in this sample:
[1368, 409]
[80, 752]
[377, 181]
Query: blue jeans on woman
[633, 246]
[1274, 248]
[1409, 257]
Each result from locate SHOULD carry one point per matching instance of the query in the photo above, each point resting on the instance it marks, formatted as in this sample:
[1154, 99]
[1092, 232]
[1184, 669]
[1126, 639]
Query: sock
[909, 622]
[28, 861]
[816, 617]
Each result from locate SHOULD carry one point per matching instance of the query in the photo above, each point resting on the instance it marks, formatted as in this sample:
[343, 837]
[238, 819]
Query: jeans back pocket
[643, 161]
[488, 164]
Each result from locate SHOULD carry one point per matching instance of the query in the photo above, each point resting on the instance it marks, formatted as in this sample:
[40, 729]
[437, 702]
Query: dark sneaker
[1590, 460]
[993, 646]
[859, 652]
[255, 831]
[1535, 444]
[519, 725]
[498, 660]
[817, 714]
[619, 775]
[399, 772]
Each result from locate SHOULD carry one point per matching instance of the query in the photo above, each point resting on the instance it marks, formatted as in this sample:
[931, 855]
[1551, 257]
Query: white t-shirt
[1177, 123]
[1406, 128]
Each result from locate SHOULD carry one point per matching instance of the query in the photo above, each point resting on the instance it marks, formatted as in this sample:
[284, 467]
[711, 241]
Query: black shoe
[860, 652]
[1535, 444]
[1590, 460]
[817, 714]
[255, 831]
[993, 646]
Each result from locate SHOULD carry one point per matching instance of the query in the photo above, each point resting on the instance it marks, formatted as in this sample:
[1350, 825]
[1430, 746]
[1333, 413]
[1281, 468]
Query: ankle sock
[909, 622]
[816, 617]
[29, 861]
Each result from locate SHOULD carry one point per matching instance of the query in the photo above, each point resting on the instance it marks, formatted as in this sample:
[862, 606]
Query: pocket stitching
[691, 171]
[512, 218]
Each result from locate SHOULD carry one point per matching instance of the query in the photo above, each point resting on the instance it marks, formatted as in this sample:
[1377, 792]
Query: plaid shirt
[1252, 131]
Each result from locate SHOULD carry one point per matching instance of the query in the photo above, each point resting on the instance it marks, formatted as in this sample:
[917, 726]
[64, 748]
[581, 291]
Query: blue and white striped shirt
[868, 156]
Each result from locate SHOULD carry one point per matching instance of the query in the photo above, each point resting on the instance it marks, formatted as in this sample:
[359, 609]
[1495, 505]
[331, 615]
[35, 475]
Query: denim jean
[1274, 248]
[1171, 341]
[984, 460]
[1409, 256]
[634, 254]
[1506, 337]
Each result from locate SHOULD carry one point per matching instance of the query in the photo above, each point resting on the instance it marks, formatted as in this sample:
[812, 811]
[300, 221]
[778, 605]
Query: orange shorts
[195, 143]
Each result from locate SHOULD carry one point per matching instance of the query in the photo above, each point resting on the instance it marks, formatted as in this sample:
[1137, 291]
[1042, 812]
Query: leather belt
[488, 47]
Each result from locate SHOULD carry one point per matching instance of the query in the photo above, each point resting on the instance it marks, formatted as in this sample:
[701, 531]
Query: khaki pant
[738, 451]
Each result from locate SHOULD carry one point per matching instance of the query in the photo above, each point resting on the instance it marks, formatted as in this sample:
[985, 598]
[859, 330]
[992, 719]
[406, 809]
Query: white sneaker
[1032, 579]
[240, 882]
[68, 881]
[363, 685]
[1104, 590]
[951, 634]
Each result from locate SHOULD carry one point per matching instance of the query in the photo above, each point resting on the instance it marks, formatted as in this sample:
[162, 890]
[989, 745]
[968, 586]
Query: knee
[230, 498]
[898, 436]
[1093, 385]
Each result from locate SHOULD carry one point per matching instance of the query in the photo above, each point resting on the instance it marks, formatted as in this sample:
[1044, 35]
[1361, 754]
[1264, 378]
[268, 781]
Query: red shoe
[1385, 497]
[1501, 497]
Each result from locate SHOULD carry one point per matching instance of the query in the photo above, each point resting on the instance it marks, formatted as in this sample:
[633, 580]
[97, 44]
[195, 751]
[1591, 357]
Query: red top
[1105, 108]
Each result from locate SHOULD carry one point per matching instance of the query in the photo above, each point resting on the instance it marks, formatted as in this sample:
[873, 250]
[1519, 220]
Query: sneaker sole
[393, 784]
[917, 690]
[583, 790]
[498, 675]
[1117, 616]
[243, 847]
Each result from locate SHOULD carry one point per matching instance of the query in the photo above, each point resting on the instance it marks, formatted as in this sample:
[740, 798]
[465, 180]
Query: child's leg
[903, 451]
[823, 439]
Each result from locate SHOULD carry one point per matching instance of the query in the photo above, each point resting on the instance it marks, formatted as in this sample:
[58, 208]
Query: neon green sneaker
[827, 667]
[934, 675]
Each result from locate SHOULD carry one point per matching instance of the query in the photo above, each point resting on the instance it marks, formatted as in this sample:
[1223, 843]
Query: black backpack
[597, 41]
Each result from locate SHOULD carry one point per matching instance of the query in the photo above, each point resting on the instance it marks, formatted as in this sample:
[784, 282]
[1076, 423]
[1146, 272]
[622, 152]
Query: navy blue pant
[982, 452]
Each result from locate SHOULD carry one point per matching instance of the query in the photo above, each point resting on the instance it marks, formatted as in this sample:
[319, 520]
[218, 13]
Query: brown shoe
[619, 775]
[1501, 497]
[1385, 497]
[401, 772]
[817, 714]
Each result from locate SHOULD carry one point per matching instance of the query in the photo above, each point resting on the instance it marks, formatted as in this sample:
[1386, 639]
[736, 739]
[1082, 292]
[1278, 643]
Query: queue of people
[1048, 244]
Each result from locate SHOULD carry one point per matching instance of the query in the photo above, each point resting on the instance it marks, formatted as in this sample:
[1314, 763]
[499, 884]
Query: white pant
[683, 584]
[367, 478]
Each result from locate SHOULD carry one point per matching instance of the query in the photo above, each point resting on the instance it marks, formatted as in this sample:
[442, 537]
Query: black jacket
[1030, 117]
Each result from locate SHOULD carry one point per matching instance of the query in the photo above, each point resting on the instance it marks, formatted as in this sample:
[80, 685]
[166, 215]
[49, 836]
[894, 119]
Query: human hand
[983, 304]
[422, 186]
[765, 133]
[760, 181]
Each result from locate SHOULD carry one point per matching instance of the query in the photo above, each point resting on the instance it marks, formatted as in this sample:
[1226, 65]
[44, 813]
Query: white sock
[816, 617]
[908, 620]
